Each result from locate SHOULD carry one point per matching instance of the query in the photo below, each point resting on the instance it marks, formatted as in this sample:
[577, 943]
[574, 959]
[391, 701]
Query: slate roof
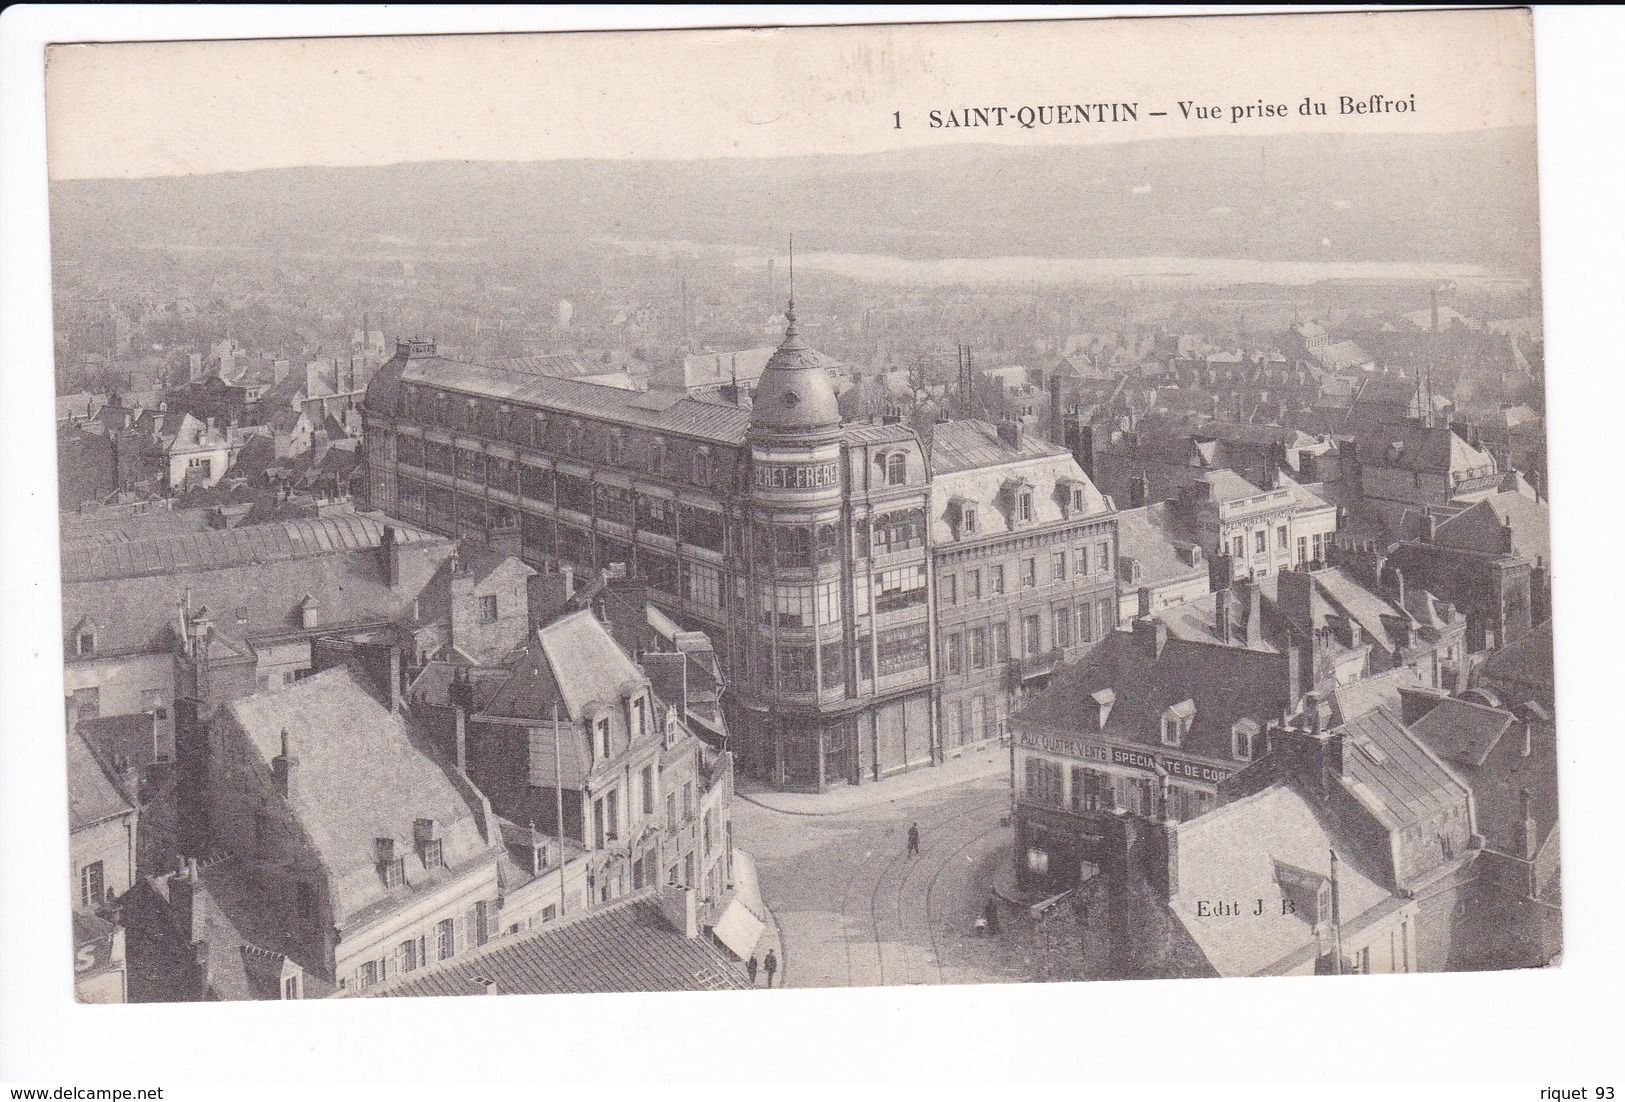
[92, 796]
[628, 946]
[1226, 683]
[1483, 527]
[1527, 661]
[588, 665]
[1421, 448]
[1463, 732]
[1359, 698]
[1152, 535]
[250, 577]
[967, 444]
[989, 480]
[724, 424]
[1233, 853]
[1401, 784]
[214, 550]
[350, 745]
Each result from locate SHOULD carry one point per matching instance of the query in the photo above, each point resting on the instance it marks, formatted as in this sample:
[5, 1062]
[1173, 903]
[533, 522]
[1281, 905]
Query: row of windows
[971, 720]
[987, 645]
[1091, 790]
[1075, 563]
[567, 435]
[452, 937]
[443, 510]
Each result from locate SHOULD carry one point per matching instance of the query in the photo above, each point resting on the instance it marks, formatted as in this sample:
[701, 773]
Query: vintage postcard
[803, 507]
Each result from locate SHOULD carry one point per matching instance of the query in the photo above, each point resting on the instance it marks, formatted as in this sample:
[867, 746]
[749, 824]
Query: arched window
[896, 469]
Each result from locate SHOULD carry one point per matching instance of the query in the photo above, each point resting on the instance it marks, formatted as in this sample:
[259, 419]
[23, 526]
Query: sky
[169, 108]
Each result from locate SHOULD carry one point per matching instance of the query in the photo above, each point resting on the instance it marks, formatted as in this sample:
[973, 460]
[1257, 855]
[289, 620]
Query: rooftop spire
[790, 310]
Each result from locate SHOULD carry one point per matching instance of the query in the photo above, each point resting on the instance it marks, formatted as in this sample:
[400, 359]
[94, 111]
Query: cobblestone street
[853, 908]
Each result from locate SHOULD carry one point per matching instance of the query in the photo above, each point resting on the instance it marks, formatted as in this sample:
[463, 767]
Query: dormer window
[1243, 739]
[427, 839]
[1103, 701]
[86, 643]
[1176, 722]
[391, 869]
[1079, 502]
[1024, 506]
[639, 718]
[601, 737]
[896, 469]
[967, 519]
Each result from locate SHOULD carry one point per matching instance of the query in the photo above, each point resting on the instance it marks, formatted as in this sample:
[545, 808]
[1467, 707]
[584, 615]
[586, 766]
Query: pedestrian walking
[913, 839]
[770, 964]
[750, 970]
[991, 914]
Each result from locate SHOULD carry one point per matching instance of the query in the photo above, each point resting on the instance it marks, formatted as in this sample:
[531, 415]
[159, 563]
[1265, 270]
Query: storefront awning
[738, 929]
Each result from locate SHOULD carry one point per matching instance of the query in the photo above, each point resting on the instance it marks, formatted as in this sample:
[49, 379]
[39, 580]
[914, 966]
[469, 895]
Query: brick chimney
[1139, 491]
[1150, 635]
[284, 770]
[1144, 601]
[1223, 617]
[1252, 625]
[1294, 596]
[1010, 434]
[389, 553]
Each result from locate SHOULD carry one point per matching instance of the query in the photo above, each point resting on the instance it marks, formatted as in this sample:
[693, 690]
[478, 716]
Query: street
[853, 908]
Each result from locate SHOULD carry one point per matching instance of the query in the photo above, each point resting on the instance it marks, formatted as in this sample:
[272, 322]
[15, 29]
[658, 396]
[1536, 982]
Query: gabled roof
[92, 796]
[1487, 526]
[232, 547]
[1359, 698]
[1463, 732]
[1153, 537]
[1412, 446]
[966, 444]
[1225, 683]
[251, 576]
[628, 946]
[1235, 851]
[350, 745]
[1399, 782]
[587, 664]
[1527, 661]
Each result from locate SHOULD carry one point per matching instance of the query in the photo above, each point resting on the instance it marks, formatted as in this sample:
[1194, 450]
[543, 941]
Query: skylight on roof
[1371, 750]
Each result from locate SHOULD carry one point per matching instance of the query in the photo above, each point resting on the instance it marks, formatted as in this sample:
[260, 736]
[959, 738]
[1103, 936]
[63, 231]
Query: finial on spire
[790, 311]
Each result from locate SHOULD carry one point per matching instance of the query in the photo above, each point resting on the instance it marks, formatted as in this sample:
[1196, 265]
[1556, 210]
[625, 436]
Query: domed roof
[795, 392]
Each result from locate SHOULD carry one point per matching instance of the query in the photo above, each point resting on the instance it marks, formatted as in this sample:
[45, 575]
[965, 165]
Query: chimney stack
[1145, 601]
[389, 550]
[1223, 617]
[1139, 490]
[284, 768]
[1252, 628]
[1151, 635]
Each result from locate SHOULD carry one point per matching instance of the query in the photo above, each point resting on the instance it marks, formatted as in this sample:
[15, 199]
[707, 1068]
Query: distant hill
[1457, 198]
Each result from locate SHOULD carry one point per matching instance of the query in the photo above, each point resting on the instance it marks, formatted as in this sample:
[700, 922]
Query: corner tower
[798, 634]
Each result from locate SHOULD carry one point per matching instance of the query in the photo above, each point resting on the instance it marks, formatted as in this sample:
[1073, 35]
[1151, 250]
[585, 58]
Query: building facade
[804, 547]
